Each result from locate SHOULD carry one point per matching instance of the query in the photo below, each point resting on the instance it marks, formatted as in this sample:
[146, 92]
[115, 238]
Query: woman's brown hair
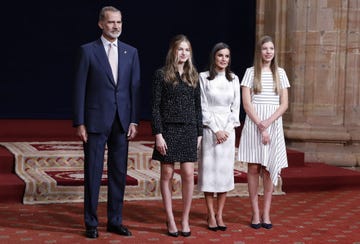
[212, 72]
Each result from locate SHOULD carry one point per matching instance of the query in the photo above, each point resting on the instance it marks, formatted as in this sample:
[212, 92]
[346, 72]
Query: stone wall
[318, 44]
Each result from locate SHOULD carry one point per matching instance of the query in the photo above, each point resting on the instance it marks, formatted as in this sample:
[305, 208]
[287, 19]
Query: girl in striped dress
[262, 143]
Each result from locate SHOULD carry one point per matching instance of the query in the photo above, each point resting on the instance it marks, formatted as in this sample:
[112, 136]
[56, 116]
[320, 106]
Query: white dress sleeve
[234, 117]
[207, 116]
[284, 81]
[248, 79]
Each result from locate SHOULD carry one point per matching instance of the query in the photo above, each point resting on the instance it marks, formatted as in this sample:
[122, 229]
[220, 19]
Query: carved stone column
[318, 44]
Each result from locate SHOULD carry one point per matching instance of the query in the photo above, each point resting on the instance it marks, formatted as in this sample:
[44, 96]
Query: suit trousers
[94, 151]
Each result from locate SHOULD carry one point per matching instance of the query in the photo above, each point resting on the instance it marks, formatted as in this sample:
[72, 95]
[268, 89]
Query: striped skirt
[251, 150]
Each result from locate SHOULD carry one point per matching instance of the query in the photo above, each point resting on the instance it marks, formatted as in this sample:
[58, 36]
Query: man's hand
[81, 132]
[132, 132]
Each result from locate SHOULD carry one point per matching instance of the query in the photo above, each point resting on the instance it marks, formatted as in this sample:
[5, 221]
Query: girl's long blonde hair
[190, 74]
[258, 67]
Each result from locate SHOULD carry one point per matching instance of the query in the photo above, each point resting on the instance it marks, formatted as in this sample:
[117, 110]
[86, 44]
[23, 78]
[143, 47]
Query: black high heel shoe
[186, 233]
[172, 234]
[215, 228]
[221, 227]
[255, 226]
[266, 225]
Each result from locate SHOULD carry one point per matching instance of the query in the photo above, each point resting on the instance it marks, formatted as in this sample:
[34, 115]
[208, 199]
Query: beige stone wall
[318, 44]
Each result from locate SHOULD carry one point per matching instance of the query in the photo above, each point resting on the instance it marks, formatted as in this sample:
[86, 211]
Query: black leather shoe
[186, 233]
[120, 230]
[255, 226]
[91, 232]
[222, 228]
[173, 234]
[213, 228]
[267, 226]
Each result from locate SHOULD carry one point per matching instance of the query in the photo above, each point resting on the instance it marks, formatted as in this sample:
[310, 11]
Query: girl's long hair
[190, 74]
[258, 66]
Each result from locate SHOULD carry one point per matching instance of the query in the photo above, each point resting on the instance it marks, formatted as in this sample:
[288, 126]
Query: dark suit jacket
[96, 97]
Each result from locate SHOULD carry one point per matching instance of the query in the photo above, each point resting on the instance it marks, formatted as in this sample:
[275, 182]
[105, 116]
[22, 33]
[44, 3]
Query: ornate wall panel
[318, 44]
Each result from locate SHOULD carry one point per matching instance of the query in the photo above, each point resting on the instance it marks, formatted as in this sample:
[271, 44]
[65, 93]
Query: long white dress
[220, 102]
[251, 149]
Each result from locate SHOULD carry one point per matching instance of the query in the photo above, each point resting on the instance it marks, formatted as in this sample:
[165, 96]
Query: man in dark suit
[106, 93]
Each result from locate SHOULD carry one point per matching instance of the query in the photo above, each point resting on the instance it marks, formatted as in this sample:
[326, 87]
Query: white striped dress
[251, 149]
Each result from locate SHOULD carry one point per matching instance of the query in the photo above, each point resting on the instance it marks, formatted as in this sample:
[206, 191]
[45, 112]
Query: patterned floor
[311, 217]
[37, 164]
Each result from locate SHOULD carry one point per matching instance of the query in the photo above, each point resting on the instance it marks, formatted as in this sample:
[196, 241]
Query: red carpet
[318, 176]
[300, 176]
[11, 130]
[76, 178]
[301, 218]
[12, 188]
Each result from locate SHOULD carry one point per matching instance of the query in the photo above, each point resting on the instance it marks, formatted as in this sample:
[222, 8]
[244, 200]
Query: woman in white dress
[262, 143]
[220, 102]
